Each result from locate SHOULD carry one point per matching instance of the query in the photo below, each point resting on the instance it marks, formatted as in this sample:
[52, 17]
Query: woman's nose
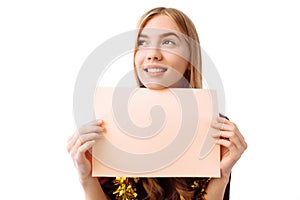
[154, 54]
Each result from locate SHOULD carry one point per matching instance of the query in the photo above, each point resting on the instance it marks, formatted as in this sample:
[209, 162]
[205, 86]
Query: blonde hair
[178, 188]
[186, 27]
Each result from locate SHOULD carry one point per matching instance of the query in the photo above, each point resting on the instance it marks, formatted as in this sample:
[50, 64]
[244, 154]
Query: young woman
[163, 57]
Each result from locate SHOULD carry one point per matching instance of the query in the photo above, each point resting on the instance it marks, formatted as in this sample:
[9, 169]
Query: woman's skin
[157, 65]
[160, 58]
[79, 146]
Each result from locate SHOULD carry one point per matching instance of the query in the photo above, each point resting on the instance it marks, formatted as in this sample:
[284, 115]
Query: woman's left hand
[232, 144]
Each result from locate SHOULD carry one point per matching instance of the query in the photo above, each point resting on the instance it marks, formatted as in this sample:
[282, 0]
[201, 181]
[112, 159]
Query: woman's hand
[232, 144]
[80, 144]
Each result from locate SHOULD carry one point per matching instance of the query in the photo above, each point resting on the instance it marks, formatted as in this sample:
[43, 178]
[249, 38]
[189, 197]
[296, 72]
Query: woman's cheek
[138, 59]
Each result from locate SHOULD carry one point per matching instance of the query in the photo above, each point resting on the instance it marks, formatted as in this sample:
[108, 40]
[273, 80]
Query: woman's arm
[79, 146]
[216, 188]
[233, 146]
[93, 190]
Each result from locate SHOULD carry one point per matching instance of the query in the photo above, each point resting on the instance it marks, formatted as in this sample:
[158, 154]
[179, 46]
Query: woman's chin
[154, 86]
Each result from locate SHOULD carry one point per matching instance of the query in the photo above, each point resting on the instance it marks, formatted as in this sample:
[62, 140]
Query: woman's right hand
[80, 144]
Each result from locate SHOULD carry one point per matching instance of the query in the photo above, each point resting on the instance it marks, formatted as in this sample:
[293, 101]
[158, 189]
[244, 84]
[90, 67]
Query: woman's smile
[155, 69]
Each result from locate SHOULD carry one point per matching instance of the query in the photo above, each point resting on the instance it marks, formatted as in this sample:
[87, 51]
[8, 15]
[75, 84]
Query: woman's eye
[168, 42]
[142, 43]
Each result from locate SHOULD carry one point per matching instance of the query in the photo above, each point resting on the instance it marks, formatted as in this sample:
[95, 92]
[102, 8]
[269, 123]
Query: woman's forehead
[161, 22]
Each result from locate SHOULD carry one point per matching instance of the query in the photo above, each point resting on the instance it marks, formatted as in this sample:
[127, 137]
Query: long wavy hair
[174, 188]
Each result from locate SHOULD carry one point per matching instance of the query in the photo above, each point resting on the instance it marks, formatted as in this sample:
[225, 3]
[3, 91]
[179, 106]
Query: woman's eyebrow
[143, 35]
[161, 35]
[170, 34]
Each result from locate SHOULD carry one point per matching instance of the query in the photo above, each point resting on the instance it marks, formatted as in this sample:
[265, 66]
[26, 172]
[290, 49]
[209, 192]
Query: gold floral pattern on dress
[200, 186]
[126, 189]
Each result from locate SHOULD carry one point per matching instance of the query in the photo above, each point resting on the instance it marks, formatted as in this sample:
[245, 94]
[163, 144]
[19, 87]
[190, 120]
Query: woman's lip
[154, 73]
[155, 69]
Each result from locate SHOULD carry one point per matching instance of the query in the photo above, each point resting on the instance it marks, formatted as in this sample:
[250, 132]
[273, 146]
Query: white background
[254, 44]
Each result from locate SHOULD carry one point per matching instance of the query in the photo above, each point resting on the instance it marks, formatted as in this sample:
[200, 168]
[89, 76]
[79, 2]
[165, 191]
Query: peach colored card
[156, 133]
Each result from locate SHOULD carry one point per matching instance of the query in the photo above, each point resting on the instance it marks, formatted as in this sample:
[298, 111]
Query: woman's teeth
[155, 70]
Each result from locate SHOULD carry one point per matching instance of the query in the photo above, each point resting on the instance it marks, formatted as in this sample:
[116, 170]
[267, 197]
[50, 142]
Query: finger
[231, 126]
[74, 149]
[91, 129]
[90, 136]
[86, 146]
[70, 137]
[71, 141]
[228, 126]
[84, 151]
[82, 139]
[234, 151]
[232, 137]
[225, 123]
[237, 132]
[226, 143]
[81, 158]
[222, 126]
[229, 153]
[97, 122]
[241, 138]
[223, 120]
[241, 145]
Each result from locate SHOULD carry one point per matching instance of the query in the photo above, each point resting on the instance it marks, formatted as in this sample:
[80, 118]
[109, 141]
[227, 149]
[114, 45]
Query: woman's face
[162, 55]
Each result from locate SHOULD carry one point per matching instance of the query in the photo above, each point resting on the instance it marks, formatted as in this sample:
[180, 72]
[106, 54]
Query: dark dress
[109, 187]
